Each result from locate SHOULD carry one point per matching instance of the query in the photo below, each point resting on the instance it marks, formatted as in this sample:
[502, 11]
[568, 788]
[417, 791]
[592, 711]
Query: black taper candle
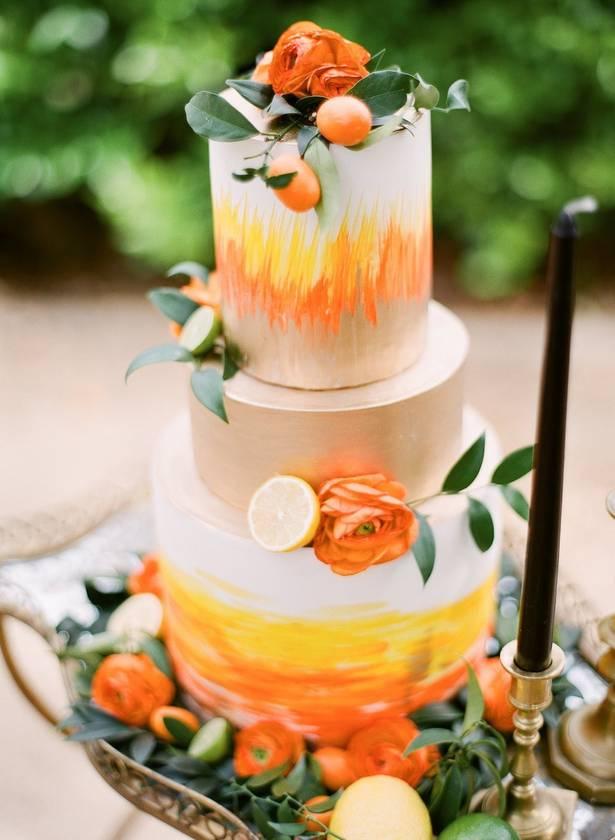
[535, 635]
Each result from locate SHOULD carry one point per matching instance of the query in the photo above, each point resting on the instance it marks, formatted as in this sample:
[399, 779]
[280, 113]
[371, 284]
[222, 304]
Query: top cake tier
[318, 308]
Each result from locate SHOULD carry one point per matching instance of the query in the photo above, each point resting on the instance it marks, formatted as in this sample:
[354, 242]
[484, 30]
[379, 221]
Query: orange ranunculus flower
[261, 71]
[129, 686]
[364, 522]
[146, 578]
[495, 683]
[306, 59]
[378, 749]
[265, 745]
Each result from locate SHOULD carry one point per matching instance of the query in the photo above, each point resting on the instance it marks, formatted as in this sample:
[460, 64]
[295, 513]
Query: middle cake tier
[408, 426]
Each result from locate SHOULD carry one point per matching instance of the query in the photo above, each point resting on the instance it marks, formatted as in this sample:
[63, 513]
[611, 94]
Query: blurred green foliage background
[92, 96]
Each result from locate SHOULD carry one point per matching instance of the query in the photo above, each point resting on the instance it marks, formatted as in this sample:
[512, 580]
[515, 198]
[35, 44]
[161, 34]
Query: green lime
[201, 330]
[213, 741]
[479, 827]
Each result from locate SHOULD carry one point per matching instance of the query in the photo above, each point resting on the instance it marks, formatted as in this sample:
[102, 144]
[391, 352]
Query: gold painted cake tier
[408, 426]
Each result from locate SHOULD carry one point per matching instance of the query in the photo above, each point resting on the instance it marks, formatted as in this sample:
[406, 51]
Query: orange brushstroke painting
[291, 272]
[327, 674]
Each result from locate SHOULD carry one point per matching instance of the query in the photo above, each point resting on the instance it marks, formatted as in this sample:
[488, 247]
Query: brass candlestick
[582, 748]
[533, 812]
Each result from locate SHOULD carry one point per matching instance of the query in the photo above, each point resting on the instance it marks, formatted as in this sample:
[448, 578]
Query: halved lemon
[138, 616]
[284, 513]
[201, 330]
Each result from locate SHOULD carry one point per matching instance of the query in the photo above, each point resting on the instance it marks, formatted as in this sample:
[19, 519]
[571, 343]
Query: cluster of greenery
[93, 91]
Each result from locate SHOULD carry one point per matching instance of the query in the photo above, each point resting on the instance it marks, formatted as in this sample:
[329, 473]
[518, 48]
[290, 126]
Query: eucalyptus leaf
[309, 104]
[205, 785]
[277, 182]
[327, 804]
[181, 733]
[425, 95]
[211, 116]
[279, 107]
[514, 466]
[384, 91]
[158, 654]
[256, 93]
[437, 714]
[424, 549]
[481, 524]
[374, 63]
[261, 820]
[475, 705]
[379, 133]
[189, 269]
[267, 776]
[431, 737]
[229, 365]
[172, 303]
[141, 747]
[467, 468]
[161, 353]
[305, 136]
[445, 807]
[516, 500]
[319, 157]
[456, 97]
[207, 386]
[286, 829]
[292, 783]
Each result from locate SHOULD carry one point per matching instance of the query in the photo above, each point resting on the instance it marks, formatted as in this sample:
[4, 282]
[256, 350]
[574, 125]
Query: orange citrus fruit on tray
[303, 191]
[284, 513]
[335, 768]
[157, 721]
[313, 820]
[344, 120]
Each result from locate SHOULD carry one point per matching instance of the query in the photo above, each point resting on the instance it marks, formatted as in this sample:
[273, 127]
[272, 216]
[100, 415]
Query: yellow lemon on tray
[284, 513]
[380, 808]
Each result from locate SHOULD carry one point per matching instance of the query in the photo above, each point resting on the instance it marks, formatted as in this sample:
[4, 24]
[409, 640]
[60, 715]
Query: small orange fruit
[157, 724]
[319, 819]
[335, 767]
[345, 120]
[303, 192]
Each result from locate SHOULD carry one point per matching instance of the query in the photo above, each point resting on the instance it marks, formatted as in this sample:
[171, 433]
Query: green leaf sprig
[473, 754]
[207, 382]
[459, 481]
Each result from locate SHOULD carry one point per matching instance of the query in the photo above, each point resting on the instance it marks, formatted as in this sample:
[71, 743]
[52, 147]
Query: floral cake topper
[319, 88]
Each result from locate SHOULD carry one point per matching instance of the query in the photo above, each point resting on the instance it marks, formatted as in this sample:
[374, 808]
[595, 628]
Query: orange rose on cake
[378, 749]
[308, 60]
[364, 522]
[266, 745]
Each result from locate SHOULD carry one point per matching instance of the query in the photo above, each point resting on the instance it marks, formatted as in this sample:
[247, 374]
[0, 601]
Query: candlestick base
[533, 812]
[582, 748]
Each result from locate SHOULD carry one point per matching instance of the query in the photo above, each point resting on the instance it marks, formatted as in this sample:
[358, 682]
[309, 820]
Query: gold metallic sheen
[533, 812]
[408, 426]
[582, 749]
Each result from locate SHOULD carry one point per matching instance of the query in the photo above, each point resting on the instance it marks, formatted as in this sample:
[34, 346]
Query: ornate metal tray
[40, 592]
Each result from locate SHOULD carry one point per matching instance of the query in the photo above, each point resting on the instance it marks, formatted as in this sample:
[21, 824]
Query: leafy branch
[473, 754]
[459, 481]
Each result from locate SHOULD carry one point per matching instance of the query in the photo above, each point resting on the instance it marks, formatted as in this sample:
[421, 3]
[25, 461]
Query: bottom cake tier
[256, 635]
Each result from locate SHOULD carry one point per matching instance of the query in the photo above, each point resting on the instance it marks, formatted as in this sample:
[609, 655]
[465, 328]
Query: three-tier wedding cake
[351, 379]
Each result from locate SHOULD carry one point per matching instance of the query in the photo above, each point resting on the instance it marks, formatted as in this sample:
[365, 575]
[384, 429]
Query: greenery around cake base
[472, 753]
